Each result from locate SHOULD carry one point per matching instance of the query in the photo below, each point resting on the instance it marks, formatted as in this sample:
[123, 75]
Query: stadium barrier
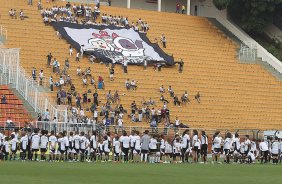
[102, 129]
[250, 42]
[26, 86]
[3, 33]
[248, 52]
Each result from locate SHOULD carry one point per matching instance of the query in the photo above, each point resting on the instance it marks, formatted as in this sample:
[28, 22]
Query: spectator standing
[177, 8]
[51, 83]
[125, 62]
[183, 9]
[163, 40]
[49, 58]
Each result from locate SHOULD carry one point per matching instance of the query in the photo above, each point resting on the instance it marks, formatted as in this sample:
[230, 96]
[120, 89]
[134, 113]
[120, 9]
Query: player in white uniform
[185, 146]
[82, 146]
[23, 146]
[67, 144]
[132, 142]
[196, 145]
[76, 141]
[93, 146]
[52, 146]
[177, 150]
[168, 151]
[153, 149]
[13, 146]
[217, 147]
[35, 140]
[227, 143]
[125, 144]
[71, 148]
[61, 146]
[43, 144]
[116, 148]
[106, 148]
[275, 150]
[263, 151]
[137, 147]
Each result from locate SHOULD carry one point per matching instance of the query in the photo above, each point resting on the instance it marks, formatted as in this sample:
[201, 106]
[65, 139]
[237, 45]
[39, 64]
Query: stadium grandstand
[158, 65]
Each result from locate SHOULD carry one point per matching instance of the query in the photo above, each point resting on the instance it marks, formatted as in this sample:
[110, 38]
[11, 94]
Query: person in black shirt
[95, 95]
[49, 58]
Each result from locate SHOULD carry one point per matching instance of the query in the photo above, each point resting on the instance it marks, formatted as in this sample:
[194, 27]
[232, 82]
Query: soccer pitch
[96, 173]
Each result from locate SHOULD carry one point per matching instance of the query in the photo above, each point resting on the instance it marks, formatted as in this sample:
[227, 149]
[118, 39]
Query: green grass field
[96, 173]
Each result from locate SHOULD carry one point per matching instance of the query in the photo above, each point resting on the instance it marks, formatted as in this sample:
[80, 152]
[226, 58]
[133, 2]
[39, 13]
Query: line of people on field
[135, 147]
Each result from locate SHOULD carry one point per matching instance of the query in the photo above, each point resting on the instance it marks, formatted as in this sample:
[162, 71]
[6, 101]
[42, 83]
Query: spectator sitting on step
[184, 98]
[67, 63]
[12, 13]
[162, 90]
[46, 20]
[21, 15]
[127, 84]
[88, 72]
[100, 82]
[198, 97]
[68, 80]
[176, 101]
[133, 85]
[9, 122]
[84, 82]
[72, 88]
[163, 99]
[116, 97]
[92, 81]
[150, 102]
[78, 71]
[171, 92]
[3, 99]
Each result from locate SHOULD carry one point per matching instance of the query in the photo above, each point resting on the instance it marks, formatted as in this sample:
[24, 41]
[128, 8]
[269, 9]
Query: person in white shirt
[5, 148]
[82, 146]
[177, 150]
[275, 150]
[216, 147]
[152, 149]
[67, 144]
[263, 151]
[71, 148]
[106, 148]
[52, 146]
[43, 144]
[13, 145]
[23, 146]
[250, 157]
[61, 146]
[168, 151]
[247, 145]
[125, 143]
[93, 146]
[137, 147]
[236, 145]
[227, 143]
[35, 140]
[116, 148]
[196, 145]
[132, 142]
[185, 145]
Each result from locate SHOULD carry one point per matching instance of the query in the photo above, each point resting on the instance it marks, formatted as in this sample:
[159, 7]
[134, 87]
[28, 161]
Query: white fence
[3, 32]
[247, 40]
[26, 86]
[102, 129]
[248, 53]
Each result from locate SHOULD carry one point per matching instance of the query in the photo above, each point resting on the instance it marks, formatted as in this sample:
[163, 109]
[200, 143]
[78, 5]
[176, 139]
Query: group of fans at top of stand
[88, 15]
[81, 146]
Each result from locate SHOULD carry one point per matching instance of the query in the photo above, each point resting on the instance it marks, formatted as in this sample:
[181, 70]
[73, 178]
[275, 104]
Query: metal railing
[26, 86]
[248, 41]
[101, 129]
[3, 32]
[248, 53]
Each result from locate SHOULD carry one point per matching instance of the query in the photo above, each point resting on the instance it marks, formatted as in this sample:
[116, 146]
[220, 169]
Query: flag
[113, 44]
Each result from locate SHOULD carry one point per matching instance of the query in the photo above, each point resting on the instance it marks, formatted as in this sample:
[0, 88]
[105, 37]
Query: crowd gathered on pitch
[137, 147]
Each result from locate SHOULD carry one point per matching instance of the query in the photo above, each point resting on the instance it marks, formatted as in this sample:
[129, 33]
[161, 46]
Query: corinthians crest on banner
[113, 44]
